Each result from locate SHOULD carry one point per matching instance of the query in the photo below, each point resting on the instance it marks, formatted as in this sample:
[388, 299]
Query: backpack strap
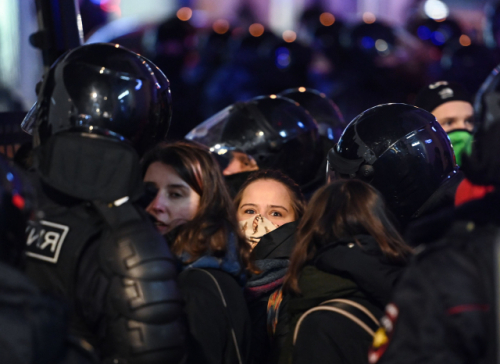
[354, 311]
[233, 333]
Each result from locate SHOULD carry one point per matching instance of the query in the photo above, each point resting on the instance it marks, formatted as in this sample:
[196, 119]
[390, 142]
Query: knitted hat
[430, 97]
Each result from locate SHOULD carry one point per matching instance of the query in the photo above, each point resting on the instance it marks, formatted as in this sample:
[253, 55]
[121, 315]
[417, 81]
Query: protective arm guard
[143, 305]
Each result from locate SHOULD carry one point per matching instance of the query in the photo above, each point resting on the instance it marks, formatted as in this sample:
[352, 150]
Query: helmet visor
[233, 128]
[29, 120]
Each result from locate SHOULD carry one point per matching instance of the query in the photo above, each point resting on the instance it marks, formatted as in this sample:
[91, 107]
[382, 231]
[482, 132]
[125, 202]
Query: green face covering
[462, 143]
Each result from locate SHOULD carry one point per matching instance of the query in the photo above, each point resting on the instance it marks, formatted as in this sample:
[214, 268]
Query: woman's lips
[162, 227]
[165, 228]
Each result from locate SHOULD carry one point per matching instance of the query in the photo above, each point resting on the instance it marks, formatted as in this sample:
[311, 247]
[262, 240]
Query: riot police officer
[330, 121]
[445, 307]
[99, 107]
[274, 131]
[34, 325]
[403, 152]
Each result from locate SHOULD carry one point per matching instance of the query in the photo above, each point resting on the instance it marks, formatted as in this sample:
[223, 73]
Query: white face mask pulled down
[255, 228]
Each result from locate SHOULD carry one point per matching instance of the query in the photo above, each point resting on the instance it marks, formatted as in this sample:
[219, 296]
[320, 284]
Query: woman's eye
[276, 214]
[249, 211]
[151, 188]
[175, 195]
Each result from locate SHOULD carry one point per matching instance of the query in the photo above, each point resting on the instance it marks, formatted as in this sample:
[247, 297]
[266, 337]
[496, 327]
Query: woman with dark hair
[269, 205]
[347, 251]
[193, 209]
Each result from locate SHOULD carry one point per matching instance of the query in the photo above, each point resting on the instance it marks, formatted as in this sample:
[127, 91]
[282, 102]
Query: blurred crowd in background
[358, 63]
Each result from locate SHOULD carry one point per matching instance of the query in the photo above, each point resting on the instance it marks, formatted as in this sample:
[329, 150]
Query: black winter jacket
[210, 339]
[342, 269]
[443, 309]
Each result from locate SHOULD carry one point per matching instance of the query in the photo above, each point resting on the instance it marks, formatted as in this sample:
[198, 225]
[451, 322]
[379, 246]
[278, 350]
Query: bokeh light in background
[436, 9]
[327, 19]
[220, 26]
[256, 29]
[381, 45]
[289, 36]
[367, 42]
[109, 6]
[369, 18]
[465, 40]
[184, 14]
[283, 58]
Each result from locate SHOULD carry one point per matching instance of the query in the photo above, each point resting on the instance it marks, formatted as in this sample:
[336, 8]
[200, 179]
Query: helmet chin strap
[89, 168]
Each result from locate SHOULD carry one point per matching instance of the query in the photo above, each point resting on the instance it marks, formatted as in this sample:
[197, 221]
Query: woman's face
[268, 198]
[175, 203]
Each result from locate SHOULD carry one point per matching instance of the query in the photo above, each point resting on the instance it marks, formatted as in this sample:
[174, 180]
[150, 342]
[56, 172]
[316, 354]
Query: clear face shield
[338, 167]
[228, 151]
[210, 131]
[29, 120]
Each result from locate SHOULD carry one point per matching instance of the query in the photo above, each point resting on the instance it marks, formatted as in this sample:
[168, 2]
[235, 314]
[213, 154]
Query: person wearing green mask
[452, 106]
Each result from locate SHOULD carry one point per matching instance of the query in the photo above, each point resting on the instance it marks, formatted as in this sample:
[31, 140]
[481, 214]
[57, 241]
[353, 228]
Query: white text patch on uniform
[45, 242]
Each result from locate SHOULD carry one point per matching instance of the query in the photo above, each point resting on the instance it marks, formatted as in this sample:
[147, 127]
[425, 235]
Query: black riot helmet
[99, 108]
[16, 207]
[366, 42]
[106, 90]
[326, 113]
[491, 31]
[482, 166]
[274, 130]
[487, 100]
[399, 149]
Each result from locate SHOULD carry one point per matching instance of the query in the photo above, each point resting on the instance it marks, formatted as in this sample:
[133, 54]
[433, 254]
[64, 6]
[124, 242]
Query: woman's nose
[158, 205]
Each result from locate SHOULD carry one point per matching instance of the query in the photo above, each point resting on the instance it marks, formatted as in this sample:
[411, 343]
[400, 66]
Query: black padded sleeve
[129, 296]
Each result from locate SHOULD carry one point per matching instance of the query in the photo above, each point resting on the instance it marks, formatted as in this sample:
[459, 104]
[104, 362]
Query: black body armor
[99, 107]
[116, 272]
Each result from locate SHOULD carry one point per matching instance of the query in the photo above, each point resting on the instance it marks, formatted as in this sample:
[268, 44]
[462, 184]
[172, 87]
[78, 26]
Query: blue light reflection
[423, 32]
[367, 42]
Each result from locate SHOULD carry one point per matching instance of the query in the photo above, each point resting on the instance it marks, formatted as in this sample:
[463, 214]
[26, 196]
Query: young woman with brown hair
[347, 248]
[193, 209]
[271, 196]
[269, 206]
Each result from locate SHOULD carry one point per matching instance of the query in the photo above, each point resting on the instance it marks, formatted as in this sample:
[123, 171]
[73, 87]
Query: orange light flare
[369, 18]
[220, 26]
[184, 14]
[112, 6]
[256, 29]
[465, 40]
[327, 19]
[289, 36]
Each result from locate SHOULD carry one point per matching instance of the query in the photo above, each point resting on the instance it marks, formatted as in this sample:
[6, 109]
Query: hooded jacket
[354, 269]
